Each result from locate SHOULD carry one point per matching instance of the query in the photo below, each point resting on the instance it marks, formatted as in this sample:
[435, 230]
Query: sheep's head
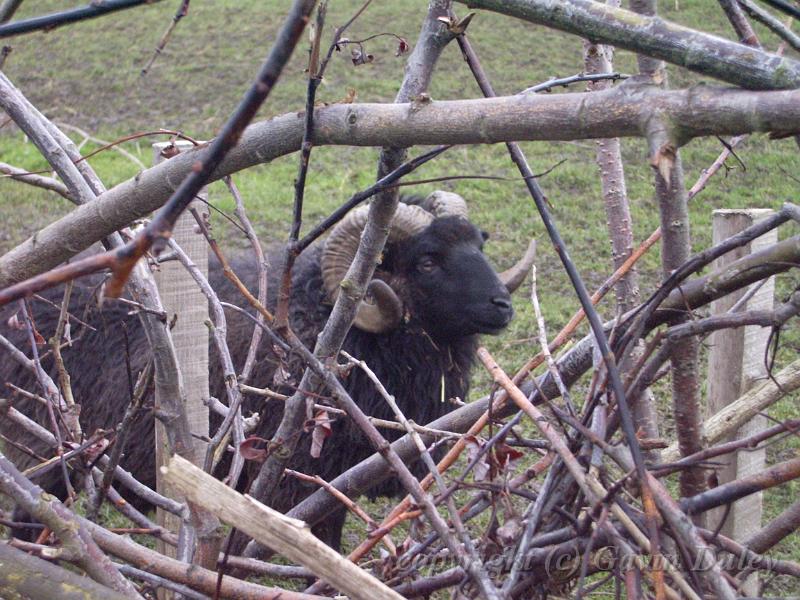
[433, 269]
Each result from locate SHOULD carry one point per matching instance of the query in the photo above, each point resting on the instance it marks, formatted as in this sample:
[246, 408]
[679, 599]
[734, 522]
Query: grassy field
[88, 75]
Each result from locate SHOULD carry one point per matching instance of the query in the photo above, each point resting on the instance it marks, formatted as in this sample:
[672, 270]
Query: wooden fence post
[184, 302]
[736, 362]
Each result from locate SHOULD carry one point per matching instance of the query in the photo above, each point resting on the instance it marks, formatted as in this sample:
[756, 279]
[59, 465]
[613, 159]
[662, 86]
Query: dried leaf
[482, 469]
[282, 376]
[93, 452]
[350, 97]
[341, 42]
[664, 161]
[402, 47]
[249, 450]
[506, 455]
[359, 57]
[321, 431]
[15, 323]
[170, 151]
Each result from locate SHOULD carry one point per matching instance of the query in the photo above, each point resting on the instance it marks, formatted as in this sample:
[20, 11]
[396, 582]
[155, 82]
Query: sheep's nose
[502, 302]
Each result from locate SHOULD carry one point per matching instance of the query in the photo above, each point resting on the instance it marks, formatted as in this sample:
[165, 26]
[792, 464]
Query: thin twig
[96, 8]
[182, 11]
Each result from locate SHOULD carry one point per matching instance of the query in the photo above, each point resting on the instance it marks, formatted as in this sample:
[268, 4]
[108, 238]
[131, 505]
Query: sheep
[432, 295]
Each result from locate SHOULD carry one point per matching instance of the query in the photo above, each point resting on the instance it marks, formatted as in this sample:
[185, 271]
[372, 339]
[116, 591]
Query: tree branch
[32, 577]
[94, 9]
[701, 52]
[288, 536]
[77, 546]
[621, 111]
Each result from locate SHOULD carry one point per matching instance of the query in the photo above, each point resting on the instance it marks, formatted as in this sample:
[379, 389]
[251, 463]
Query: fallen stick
[290, 537]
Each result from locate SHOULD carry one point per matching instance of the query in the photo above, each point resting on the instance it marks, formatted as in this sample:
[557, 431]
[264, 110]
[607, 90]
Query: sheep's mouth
[491, 327]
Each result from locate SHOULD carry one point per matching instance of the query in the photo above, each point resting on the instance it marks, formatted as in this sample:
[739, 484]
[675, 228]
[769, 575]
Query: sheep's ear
[485, 235]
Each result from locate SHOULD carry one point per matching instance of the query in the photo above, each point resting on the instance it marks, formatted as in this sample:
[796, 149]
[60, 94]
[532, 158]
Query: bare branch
[288, 536]
[77, 546]
[739, 412]
[96, 9]
[778, 28]
[615, 112]
[650, 35]
[32, 577]
[47, 183]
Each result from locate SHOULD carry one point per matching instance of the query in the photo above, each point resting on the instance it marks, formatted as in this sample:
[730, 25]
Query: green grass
[88, 75]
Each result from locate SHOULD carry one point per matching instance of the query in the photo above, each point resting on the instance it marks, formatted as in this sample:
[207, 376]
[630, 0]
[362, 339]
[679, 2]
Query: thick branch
[26, 576]
[289, 537]
[782, 526]
[623, 111]
[193, 576]
[77, 546]
[701, 52]
[739, 412]
[733, 490]
[684, 354]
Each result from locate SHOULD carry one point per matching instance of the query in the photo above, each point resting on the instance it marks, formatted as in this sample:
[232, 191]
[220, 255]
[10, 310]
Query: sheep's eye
[426, 265]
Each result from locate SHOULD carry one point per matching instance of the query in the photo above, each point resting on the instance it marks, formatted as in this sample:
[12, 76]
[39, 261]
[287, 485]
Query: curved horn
[340, 249]
[443, 204]
[513, 277]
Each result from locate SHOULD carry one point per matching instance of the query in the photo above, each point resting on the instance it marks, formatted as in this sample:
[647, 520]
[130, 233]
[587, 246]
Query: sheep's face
[451, 288]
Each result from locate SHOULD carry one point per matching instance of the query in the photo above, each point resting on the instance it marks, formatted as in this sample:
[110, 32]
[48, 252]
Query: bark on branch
[739, 412]
[622, 111]
[741, 65]
[25, 576]
[288, 536]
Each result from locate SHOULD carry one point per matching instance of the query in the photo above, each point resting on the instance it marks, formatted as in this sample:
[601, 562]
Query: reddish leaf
[321, 431]
[506, 454]
[249, 451]
[402, 47]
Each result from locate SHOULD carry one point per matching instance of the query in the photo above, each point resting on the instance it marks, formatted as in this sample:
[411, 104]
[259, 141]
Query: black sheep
[432, 294]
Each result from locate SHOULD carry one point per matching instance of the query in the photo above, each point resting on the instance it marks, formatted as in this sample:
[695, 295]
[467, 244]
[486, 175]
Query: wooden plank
[289, 537]
[735, 365]
[183, 300]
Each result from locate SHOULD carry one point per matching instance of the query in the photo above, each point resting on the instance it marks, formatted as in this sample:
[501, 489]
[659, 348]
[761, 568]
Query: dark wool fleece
[409, 363]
